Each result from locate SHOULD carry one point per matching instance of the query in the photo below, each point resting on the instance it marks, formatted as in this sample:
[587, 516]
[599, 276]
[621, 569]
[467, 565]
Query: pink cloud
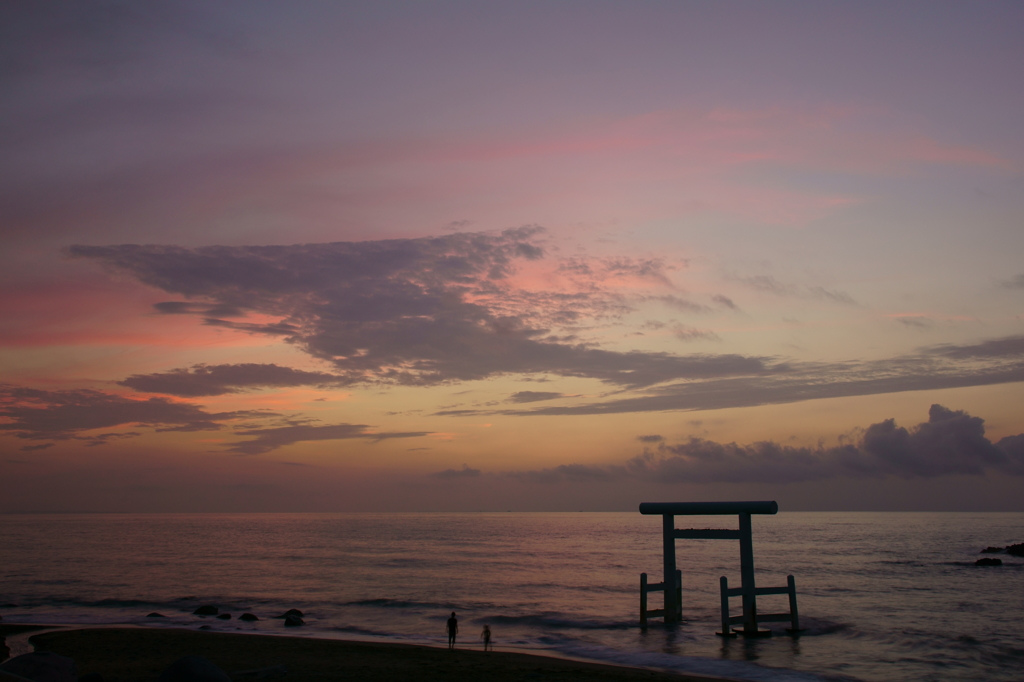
[645, 167]
[99, 311]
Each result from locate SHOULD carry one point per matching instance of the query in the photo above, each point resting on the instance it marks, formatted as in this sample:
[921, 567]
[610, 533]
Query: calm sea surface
[885, 596]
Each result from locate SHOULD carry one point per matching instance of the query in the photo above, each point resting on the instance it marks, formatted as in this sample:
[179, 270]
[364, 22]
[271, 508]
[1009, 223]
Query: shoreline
[128, 653]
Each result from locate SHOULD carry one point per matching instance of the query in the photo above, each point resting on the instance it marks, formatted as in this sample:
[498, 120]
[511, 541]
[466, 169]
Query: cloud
[1015, 283]
[995, 361]
[686, 333]
[650, 439]
[831, 295]
[464, 472]
[623, 268]
[1006, 347]
[681, 304]
[407, 311]
[573, 473]
[268, 439]
[187, 308]
[769, 285]
[917, 321]
[206, 380]
[104, 438]
[62, 415]
[724, 301]
[949, 443]
[33, 448]
[533, 396]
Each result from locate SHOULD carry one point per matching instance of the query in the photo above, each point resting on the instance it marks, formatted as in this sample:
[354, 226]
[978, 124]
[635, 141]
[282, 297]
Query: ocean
[883, 596]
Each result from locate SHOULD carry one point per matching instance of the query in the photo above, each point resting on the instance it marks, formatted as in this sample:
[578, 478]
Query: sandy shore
[130, 654]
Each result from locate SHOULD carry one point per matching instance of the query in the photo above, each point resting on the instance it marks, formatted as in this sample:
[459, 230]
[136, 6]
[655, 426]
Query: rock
[204, 627]
[42, 666]
[5, 651]
[290, 612]
[225, 616]
[988, 561]
[293, 621]
[992, 550]
[155, 615]
[1016, 550]
[207, 610]
[193, 669]
[248, 616]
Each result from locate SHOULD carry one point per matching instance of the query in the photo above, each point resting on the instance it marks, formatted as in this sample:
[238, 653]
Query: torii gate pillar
[672, 614]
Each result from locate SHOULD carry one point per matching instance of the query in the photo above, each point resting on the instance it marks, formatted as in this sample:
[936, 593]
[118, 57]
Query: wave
[554, 621]
[397, 604]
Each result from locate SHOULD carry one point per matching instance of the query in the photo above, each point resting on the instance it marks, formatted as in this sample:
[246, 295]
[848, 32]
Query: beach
[139, 654]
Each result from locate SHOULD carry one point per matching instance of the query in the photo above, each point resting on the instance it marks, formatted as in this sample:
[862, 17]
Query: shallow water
[884, 596]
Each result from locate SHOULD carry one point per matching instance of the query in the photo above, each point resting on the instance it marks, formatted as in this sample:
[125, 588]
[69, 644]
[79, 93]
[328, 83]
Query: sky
[531, 256]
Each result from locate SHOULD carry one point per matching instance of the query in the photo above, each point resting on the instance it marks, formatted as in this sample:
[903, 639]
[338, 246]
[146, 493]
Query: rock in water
[987, 561]
[290, 612]
[1016, 550]
[193, 669]
[42, 666]
[155, 615]
[293, 621]
[991, 550]
[207, 610]
[248, 616]
[225, 616]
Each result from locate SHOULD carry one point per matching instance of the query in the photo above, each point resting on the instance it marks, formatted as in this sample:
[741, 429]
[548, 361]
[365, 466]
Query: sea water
[883, 596]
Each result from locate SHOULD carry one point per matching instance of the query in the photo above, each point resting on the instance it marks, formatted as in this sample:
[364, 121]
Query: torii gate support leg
[669, 538]
[747, 576]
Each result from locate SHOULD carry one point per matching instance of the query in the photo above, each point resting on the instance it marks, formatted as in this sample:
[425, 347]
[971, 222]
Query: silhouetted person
[453, 629]
[486, 636]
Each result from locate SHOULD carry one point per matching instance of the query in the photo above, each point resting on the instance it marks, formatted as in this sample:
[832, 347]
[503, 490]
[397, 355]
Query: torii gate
[672, 584]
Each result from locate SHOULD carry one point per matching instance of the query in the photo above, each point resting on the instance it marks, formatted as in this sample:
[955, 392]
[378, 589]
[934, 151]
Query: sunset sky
[328, 256]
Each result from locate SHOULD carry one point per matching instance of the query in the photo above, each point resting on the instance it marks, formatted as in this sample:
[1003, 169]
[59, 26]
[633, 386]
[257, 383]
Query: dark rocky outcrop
[193, 669]
[992, 550]
[42, 666]
[155, 615]
[988, 561]
[293, 621]
[248, 616]
[205, 627]
[225, 616]
[5, 651]
[206, 610]
[291, 612]
[1016, 550]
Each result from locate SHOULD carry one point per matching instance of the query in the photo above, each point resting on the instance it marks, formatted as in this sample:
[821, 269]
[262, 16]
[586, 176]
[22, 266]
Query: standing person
[486, 636]
[453, 629]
